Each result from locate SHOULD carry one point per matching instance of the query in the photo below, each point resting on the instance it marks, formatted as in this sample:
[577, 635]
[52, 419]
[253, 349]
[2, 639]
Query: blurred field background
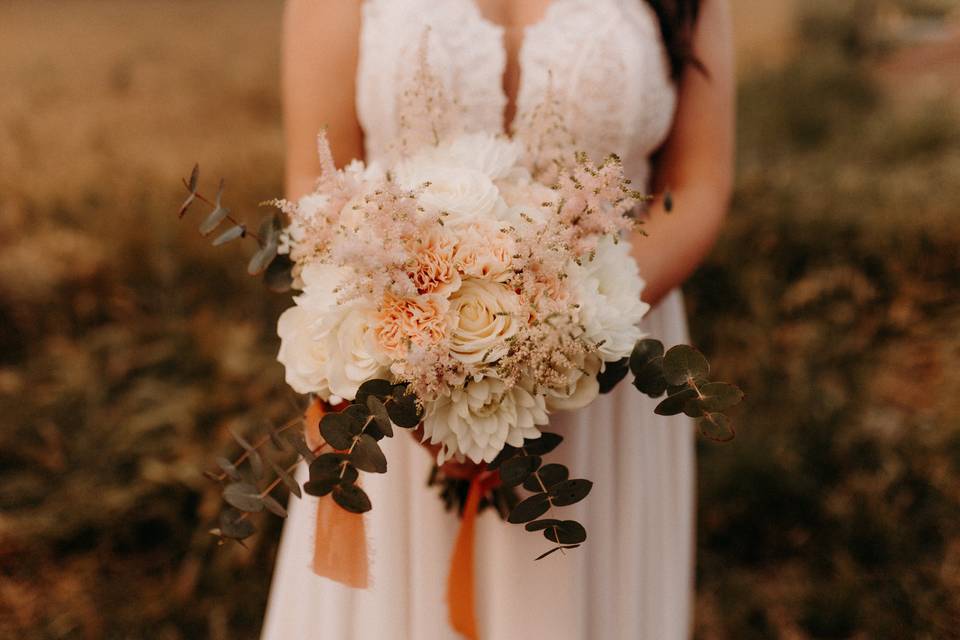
[128, 346]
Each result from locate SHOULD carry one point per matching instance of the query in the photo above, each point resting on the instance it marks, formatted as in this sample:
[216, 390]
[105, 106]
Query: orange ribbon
[347, 561]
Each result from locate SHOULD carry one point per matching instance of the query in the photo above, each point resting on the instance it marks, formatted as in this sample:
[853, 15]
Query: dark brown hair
[677, 20]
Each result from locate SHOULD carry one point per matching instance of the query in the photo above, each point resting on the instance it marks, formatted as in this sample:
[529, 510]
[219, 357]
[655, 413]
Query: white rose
[494, 156]
[478, 420]
[608, 290]
[524, 199]
[484, 314]
[581, 390]
[353, 356]
[463, 194]
[302, 353]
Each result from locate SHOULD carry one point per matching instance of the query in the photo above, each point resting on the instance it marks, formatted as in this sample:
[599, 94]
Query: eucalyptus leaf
[368, 456]
[186, 204]
[321, 486]
[234, 525]
[241, 441]
[682, 363]
[262, 259]
[567, 532]
[380, 415]
[213, 220]
[338, 429]
[300, 446]
[716, 427]
[231, 234]
[327, 466]
[194, 178]
[612, 374]
[274, 507]
[570, 491]
[718, 396]
[228, 468]
[540, 525]
[505, 454]
[256, 464]
[643, 353]
[352, 498]
[275, 440]
[515, 470]
[649, 379]
[530, 509]
[549, 475]
[279, 275]
[403, 409]
[243, 496]
[288, 480]
[375, 387]
[543, 445]
[674, 404]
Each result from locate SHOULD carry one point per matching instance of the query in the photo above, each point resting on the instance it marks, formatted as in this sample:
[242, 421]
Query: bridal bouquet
[468, 290]
[456, 293]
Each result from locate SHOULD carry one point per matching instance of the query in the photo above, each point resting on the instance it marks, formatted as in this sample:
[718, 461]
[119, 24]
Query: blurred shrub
[836, 513]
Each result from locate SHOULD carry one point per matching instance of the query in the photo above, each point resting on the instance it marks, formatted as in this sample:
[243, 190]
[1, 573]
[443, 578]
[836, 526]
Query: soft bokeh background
[128, 346]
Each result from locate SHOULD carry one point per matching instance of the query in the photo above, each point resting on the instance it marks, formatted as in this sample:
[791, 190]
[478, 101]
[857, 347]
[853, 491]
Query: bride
[648, 79]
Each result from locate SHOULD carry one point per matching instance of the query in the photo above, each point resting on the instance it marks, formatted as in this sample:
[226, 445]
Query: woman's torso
[603, 59]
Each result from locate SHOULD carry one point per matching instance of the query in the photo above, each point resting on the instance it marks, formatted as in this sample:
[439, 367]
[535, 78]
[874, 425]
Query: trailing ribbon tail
[460, 583]
[346, 561]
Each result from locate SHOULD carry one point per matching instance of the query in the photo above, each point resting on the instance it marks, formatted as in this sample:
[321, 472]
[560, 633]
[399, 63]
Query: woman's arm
[696, 164]
[320, 47]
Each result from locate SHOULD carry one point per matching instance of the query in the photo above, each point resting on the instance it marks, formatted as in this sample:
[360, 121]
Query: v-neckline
[508, 127]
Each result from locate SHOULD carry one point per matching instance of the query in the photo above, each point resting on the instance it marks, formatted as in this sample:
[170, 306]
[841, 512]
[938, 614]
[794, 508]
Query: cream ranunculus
[581, 390]
[608, 290]
[477, 420]
[484, 315]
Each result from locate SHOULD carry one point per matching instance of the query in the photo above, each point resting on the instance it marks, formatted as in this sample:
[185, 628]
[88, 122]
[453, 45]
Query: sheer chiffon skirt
[632, 579]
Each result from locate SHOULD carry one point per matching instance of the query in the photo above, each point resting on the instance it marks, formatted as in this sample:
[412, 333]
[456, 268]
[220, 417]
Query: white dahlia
[608, 290]
[478, 420]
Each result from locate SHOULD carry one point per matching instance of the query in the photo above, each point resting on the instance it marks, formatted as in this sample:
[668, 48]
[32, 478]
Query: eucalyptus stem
[276, 481]
[229, 217]
[259, 443]
[543, 487]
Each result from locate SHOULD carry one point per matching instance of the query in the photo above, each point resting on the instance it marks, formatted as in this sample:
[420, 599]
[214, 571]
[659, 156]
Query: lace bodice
[604, 58]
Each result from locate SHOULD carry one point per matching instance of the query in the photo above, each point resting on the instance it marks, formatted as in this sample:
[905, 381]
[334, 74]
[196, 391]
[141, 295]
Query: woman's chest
[602, 60]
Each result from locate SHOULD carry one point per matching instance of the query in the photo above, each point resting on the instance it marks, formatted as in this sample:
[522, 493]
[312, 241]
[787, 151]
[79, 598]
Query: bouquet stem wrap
[348, 562]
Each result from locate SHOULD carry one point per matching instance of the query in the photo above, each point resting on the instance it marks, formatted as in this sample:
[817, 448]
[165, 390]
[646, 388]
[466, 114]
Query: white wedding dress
[633, 577]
